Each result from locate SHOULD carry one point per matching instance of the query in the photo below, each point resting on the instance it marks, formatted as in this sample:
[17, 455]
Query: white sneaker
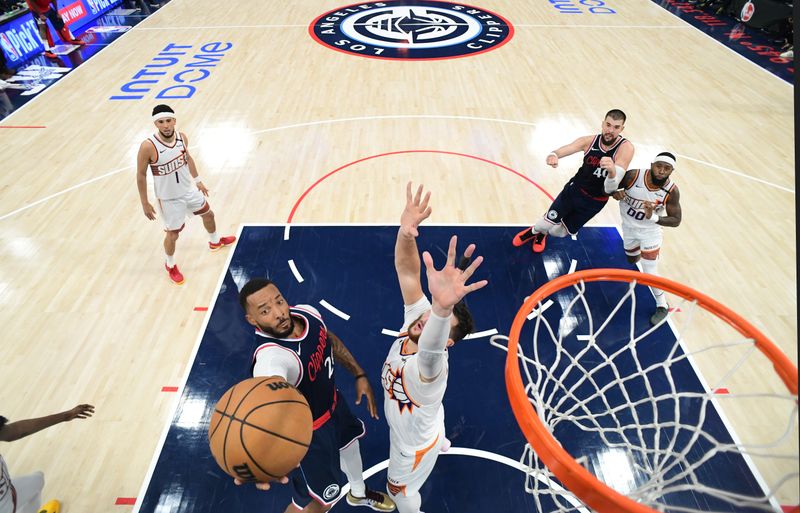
[788, 54]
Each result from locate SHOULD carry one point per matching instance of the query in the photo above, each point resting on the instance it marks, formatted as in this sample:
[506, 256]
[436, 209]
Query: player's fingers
[425, 200]
[262, 486]
[468, 252]
[408, 192]
[471, 269]
[427, 213]
[418, 195]
[451, 251]
[472, 287]
[427, 259]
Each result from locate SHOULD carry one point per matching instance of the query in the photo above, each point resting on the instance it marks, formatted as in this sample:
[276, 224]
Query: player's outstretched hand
[82, 411]
[448, 286]
[264, 486]
[416, 211]
[202, 188]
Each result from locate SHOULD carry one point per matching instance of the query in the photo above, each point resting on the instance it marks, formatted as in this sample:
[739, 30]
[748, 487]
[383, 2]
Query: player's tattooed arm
[343, 356]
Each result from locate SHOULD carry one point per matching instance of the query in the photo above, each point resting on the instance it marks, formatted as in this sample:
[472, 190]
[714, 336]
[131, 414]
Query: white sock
[350, 461]
[408, 503]
[213, 237]
[170, 260]
[651, 267]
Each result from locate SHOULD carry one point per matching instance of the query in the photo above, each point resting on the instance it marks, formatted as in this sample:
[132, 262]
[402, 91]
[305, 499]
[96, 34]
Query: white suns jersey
[413, 409]
[631, 208]
[171, 177]
[6, 497]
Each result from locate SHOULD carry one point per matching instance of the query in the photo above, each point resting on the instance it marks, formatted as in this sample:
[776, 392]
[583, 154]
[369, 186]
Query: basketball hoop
[596, 389]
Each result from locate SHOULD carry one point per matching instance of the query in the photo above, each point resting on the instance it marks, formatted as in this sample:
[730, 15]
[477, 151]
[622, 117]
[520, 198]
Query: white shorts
[174, 211]
[408, 470]
[637, 242]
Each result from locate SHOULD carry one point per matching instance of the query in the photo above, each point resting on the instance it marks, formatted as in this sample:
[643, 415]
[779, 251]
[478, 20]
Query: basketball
[260, 429]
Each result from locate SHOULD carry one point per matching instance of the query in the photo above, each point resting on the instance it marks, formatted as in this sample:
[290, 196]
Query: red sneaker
[539, 242]
[50, 55]
[523, 237]
[174, 274]
[223, 241]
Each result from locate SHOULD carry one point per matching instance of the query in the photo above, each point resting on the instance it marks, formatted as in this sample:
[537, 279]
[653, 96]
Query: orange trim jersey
[171, 177]
[413, 408]
[631, 208]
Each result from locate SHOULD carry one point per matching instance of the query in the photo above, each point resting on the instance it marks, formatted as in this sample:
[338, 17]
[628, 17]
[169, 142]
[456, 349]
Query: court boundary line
[362, 118]
[715, 402]
[455, 451]
[187, 370]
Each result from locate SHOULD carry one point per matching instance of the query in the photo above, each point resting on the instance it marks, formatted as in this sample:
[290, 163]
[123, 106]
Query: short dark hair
[250, 288]
[465, 324]
[158, 109]
[617, 115]
[667, 154]
[3, 421]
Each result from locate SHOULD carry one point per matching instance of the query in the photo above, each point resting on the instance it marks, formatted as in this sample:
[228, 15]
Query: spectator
[42, 10]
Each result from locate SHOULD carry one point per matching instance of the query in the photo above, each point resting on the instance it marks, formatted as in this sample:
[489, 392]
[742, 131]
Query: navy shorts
[320, 475]
[574, 208]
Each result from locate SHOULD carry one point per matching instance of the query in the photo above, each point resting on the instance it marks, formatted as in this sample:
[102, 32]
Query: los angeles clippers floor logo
[411, 30]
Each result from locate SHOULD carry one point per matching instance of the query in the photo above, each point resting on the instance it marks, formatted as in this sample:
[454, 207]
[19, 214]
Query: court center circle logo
[419, 30]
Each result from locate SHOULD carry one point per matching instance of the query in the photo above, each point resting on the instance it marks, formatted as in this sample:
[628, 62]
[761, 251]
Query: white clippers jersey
[413, 409]
[171, 177]
[631, 208]
[6, 499]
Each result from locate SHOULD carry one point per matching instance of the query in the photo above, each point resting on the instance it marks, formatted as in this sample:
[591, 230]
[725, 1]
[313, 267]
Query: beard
[165, 136]
[658, 181]
[279, 334]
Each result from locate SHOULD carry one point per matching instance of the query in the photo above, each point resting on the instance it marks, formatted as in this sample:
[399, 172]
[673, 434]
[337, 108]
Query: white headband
[665, 159]
[162, 115]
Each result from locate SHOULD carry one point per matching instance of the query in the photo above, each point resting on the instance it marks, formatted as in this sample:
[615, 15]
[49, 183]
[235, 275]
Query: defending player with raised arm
[414, 375]
[179, 190]
[648, 201]
[606, 156]
[295, 344]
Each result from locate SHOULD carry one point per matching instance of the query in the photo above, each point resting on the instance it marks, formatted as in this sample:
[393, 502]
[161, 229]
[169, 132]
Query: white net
[626, 400]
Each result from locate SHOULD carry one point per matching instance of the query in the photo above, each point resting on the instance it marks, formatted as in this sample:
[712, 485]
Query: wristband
[197, 179]
[654, 217]
[553, 154]
[362, 375]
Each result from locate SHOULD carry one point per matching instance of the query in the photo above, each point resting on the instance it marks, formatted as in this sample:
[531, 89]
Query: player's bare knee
[558, 230]
[173, 235]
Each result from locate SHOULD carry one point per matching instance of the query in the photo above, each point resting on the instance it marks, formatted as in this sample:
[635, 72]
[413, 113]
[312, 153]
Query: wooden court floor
[88, 313]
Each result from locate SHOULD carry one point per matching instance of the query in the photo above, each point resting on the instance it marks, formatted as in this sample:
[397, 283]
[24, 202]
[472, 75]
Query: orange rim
[572, 475]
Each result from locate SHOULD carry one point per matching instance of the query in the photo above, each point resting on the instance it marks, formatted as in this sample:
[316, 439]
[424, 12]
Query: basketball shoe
[659, 315]
[378, 501]
[223, 241]
[539, 242]
[174, 274]
[50, 507]
[523, 237]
